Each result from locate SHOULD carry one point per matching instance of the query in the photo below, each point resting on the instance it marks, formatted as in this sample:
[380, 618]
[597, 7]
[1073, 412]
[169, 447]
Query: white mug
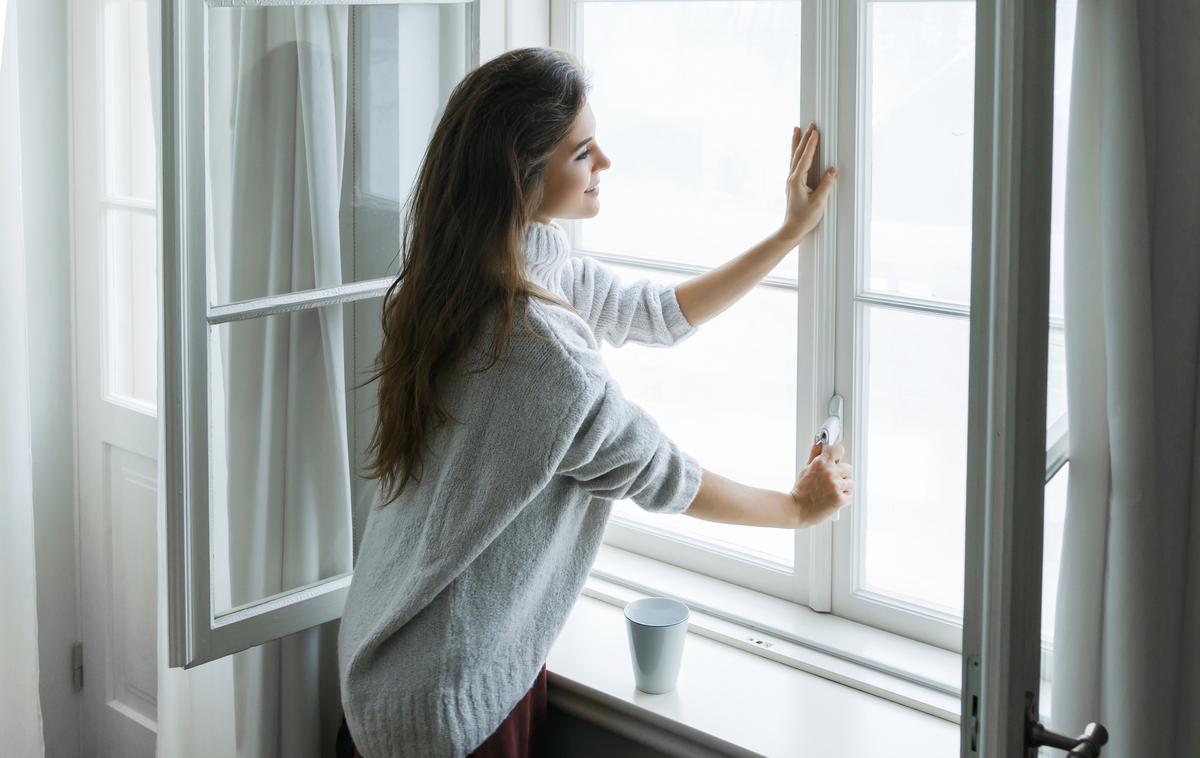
[657, 627]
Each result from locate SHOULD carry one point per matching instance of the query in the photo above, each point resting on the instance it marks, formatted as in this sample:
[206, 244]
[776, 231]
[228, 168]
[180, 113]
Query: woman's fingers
[825, 186]
[799, 146]
[814, 451]
[836, 451]
[806, 155]
[796, 138]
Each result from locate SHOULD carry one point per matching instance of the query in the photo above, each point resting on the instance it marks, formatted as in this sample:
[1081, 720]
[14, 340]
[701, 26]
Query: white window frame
[197, 634]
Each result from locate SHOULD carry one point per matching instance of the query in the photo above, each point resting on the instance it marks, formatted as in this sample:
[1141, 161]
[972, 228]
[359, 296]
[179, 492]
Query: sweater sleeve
[644, 311]
[615, 450]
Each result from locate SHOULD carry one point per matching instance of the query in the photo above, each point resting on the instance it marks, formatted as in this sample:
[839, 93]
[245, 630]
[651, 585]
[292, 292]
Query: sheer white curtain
[20, 708]
[279, 85]
[1128, 616]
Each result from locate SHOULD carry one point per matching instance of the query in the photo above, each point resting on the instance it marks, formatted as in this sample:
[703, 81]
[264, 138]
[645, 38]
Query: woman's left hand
[805, 205]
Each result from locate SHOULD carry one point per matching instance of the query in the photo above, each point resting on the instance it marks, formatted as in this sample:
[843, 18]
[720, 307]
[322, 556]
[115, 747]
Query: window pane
[282, 425]
[129, 147]
[918, 122]
[131, 306]
[695, 104]
[299, 98]
[912, 455]
[737, 415]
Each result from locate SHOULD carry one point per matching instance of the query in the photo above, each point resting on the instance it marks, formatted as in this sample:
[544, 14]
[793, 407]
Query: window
[294, 157]
[694, 104]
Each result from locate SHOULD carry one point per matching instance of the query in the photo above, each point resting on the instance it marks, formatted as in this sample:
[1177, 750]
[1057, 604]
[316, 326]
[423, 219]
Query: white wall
[45, 133]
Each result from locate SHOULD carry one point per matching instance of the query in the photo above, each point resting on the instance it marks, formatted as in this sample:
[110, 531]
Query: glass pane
[282, 424]
[912, 455]
[695, 103]
[919, 96]
[131, 305]
[736, 415]
[129, 147]
[310, 156]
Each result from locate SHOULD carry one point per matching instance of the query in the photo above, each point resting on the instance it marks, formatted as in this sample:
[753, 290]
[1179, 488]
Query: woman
[485, 528]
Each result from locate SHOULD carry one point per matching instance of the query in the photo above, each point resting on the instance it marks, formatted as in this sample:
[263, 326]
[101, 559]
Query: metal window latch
[1086, 745]
[831, 431]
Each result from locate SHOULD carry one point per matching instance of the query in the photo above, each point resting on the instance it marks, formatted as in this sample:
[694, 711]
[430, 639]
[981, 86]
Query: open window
[293, 134]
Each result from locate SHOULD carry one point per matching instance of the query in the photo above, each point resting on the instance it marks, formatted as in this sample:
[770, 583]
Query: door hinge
[971, 707]
[77, 666]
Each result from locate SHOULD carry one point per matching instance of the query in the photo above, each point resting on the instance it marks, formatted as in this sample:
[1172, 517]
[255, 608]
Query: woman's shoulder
[576, 346]
[548, 346]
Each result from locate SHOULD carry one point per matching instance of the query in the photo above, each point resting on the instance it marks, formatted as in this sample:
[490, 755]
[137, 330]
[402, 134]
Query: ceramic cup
[657, 628]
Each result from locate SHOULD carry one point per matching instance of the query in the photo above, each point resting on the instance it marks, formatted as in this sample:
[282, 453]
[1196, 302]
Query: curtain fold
[1124, 647]
[20, 706]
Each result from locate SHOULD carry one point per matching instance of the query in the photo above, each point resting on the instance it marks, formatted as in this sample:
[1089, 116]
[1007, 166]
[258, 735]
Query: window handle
[1086, 745]
[831, 431]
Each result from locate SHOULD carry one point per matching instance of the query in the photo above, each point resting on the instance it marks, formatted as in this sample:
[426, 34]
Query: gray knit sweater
[464, 582]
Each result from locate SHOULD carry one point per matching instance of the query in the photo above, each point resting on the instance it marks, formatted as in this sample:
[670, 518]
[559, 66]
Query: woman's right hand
[805, 205]
[823, 487]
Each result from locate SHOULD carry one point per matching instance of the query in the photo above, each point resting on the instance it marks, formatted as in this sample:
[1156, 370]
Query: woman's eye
[583, 155]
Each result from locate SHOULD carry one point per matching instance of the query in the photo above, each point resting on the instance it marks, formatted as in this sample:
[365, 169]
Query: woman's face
[574, 168]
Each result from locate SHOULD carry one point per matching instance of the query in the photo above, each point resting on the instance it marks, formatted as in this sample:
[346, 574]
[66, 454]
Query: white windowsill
[848, 691]
[728, 701]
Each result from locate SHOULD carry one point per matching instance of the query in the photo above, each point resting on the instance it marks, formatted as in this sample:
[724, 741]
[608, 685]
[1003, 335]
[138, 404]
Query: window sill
[897, 668]
[728, 701]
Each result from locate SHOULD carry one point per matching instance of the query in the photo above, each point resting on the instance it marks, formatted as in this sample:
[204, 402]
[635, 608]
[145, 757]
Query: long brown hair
[479, 185]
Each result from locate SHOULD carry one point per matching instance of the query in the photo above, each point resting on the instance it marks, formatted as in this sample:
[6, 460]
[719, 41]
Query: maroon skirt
[522, 734]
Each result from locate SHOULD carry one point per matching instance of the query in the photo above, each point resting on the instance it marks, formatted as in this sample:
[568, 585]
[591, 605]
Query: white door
[114, 214]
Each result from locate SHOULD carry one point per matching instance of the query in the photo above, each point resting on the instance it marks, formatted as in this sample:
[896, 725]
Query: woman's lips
[593, 191]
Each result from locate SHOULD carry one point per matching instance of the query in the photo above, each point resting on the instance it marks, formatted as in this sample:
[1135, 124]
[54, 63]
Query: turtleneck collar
[545, 244]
